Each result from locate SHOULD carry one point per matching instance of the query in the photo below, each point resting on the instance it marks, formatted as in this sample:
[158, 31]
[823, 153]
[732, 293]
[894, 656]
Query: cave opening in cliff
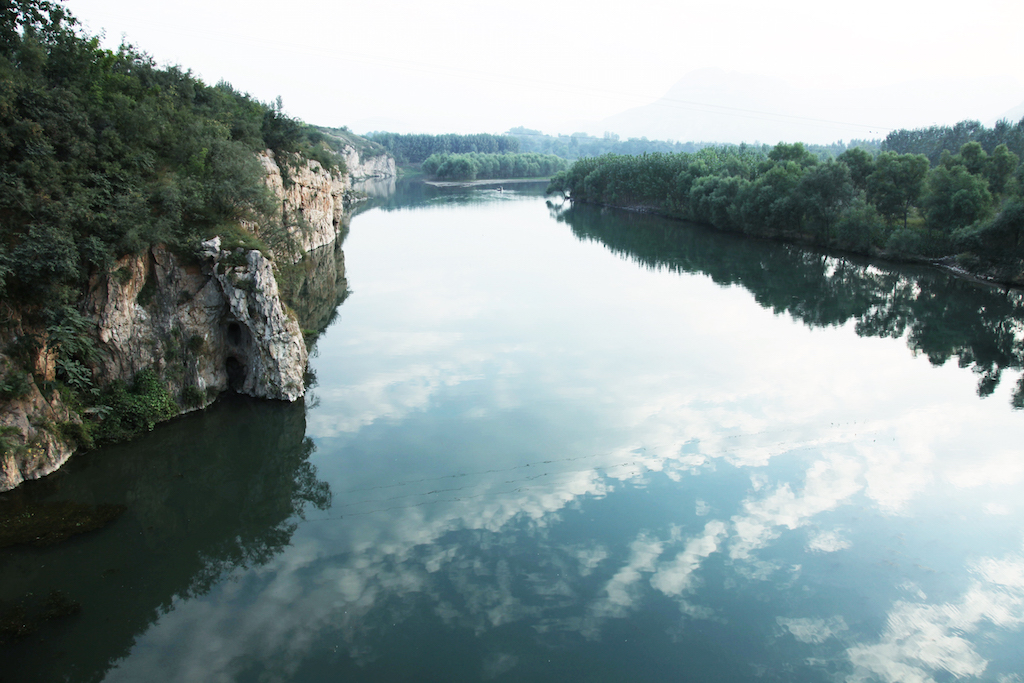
[236, 373]
[234, 334]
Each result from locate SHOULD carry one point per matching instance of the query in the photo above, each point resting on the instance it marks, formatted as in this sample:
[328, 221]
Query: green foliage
[475, 166]
[861, 164]
[76, 375]
[826, 191]
[999, 170]
[787, 191]
[581, 145]
[905, 242]
[956, 198]
[1001, 238]
[14, 384]
[859, 227]
[102, 154]
[414, 149]
[135, 408]
[77, 433]
[896, 184]
[933, 141]
[234, 237]
[192, 396]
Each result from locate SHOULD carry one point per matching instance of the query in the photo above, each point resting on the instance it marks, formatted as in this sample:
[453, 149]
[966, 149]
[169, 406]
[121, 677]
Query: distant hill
[714, 105]
[1011, 115]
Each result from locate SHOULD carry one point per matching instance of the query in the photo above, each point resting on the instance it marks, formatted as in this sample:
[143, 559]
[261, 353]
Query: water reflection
[316, 285]
[377, 188]
[549, 464]
[205, 495]
[942, 317]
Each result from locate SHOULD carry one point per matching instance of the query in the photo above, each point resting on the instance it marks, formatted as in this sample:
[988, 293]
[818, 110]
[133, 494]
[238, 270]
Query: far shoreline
[473, 183]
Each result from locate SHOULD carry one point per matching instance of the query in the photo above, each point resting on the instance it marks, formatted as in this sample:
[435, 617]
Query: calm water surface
[572, 445]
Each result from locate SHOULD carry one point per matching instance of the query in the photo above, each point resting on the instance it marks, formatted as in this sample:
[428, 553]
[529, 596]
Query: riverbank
[965, 266]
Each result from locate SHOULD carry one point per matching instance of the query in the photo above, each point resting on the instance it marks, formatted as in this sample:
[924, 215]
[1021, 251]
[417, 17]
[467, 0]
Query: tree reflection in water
[206, 494]
[943, 317]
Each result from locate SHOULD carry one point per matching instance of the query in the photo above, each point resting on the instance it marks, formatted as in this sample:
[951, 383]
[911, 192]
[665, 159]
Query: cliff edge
[202, 323]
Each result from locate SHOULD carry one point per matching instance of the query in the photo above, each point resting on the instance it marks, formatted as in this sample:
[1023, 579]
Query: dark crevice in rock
[236, 374]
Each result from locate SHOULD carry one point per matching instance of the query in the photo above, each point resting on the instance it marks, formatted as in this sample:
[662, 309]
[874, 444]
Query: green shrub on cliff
[131, 409]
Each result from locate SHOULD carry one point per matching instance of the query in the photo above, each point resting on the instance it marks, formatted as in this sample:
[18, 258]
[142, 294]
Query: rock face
[35, 445]
[380, 166]
[213, 324]
[312, 203]
[313, 200]
[205, 328]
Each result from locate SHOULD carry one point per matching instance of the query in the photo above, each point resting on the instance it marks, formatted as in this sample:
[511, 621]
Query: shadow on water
[201, 496]
[943, 317]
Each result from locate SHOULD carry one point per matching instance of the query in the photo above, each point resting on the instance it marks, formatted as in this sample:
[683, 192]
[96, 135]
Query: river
[552, 443]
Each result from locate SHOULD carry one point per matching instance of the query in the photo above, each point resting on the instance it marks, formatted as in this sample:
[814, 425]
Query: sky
[562, 66]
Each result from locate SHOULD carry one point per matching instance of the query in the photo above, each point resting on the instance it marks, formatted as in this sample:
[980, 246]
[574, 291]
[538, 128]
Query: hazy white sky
[462, 66]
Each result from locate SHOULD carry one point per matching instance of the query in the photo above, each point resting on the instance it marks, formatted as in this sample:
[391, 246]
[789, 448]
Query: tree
[896, 184]
[795, 152]
[861, 165]
[825, 191]
[1000, 167]
[956, 198]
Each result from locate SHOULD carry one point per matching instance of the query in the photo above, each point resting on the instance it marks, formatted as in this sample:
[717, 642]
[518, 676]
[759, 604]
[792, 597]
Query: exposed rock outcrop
[312, 204]
[34, 444]
[210, 325]
[213, 326]
[313, 199]
[380, 166]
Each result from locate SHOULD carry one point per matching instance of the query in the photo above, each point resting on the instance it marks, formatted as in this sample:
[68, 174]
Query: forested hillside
[102, 156]
[968, 203]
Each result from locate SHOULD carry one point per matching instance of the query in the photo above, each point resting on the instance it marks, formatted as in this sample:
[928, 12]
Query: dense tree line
[970, 201]
[935, 140]
[415, 148]
[580, 145]
[475, 166]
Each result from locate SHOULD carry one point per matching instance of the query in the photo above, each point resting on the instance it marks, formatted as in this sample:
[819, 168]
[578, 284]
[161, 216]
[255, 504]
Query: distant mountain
[719, 106]
[1012, 115]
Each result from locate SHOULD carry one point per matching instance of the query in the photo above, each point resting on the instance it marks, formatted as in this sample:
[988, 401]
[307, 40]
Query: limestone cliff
[205, 328]
[359, 168]
[214, 322]
[213, 326]
[34, 444]
[312, 201]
